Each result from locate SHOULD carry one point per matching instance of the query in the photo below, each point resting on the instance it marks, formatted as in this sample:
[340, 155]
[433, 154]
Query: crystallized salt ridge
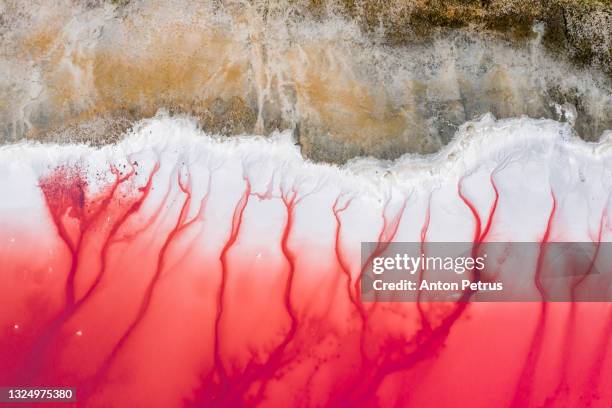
[481, 143]
[528, 161]
[485, 140]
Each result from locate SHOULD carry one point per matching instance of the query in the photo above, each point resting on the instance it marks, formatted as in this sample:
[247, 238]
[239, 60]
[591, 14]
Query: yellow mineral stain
[346, 106]
[187, 65]
[178, 69]
[41, 41]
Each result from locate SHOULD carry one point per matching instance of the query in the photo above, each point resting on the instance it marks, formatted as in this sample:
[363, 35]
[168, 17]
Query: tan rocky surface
[351, 78]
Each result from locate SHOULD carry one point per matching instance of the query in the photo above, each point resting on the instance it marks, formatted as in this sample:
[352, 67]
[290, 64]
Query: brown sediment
[348, 87]
[347, 112]
[582, 28]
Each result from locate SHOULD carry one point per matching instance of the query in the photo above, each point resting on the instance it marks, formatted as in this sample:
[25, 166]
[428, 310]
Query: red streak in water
[337, 209]
[302, 358]
[424, 229]
[64, 191]
[524, 387]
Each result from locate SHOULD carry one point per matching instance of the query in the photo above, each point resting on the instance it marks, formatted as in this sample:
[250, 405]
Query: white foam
[530, 160]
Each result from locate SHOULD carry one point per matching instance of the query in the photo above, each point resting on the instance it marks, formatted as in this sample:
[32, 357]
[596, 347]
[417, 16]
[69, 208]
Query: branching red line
[602, 224]
[427, 348]
[231, 394]
[543, 242]
[480, 235]
[146, 301]
[197, 217]
[337, 246]
[424, 230]
[266, 195]
[473, 210]
[386, 235]
[233, 235]
[274, 360]
[523, 388]
[434, 338]
[203, 202]
[566, 349]
[114, 229]
[51, 189]
[149, 290]
[289, 201]
[36, 358]
[85, 224]
[487, 229]
[156, 214]
[290, 256]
